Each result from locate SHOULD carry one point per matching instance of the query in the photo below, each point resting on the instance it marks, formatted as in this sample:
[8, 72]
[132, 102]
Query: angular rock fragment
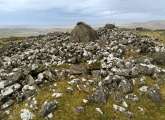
[99, 96]
[155, 95]
[47, 108]
[29, 91]
[10, 89]
[7, 104]
[125, 86]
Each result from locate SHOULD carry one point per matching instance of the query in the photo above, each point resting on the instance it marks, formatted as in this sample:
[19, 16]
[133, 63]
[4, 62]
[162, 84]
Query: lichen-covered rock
[83, 33]
[29, 91]
[7, 104]
[10, 89]
[25, 114]
[99, 96]
[47, 108]
[154, 94]
[125, 86]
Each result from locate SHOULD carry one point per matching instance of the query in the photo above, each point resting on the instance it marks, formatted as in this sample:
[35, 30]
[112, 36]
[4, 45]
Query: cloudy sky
[68, 12]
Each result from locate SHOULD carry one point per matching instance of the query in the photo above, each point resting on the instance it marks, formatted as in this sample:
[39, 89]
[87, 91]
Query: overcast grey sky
[68, 12]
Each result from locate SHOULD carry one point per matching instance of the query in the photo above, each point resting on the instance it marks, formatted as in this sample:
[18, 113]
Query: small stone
[69, 89]
[85, 101]
[79, 109]
[99, 110]
[128, 114]
[57, 95]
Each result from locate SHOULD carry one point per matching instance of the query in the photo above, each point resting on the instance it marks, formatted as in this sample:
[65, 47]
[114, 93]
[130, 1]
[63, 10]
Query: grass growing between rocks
[2, 43]
[158, 34]
[68, 102]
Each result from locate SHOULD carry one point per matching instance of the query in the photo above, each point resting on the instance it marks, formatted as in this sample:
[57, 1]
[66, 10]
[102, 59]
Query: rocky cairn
[116, 59]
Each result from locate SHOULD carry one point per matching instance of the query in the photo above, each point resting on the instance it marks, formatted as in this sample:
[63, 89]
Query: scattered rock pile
[25, 66]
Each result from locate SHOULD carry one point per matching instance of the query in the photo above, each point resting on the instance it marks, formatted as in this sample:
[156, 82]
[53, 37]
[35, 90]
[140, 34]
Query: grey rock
[7, 104]
[96, 74]
[132, 97]
[83, 33]
[29, 91]
[109, 26]
[159, 58]
[134, 71]
[30, 80]
[78, 70]
[125, 86]
[99, 96]
[128, 114]
[79, 109]
[47, 108]
[48, 75]
[154, 94]
[10, 89]
[14, 79]
[70, 90]
[119, 97]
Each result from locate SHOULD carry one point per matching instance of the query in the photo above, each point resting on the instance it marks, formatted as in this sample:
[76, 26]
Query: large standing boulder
[83, 33]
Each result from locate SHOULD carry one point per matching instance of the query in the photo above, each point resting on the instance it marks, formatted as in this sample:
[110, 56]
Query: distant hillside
[155, 24]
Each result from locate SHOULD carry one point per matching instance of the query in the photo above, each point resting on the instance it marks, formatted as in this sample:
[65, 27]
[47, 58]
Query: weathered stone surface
[29, 91]
[154, 94]
[10, 89]
[132, 97]
[159, 58]
[47, 108]
[96, 74]
[99, 96]
[48, 75]
[25, 114]
[83, 33]
[119, 97]
[125, 86]
[7, 104]
[78, 70]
